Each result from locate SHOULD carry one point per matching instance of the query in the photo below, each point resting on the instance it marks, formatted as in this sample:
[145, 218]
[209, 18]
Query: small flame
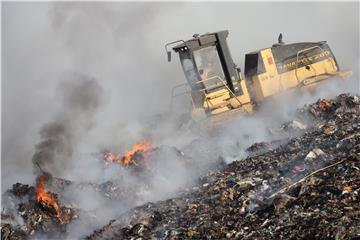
[325, 104]
[48, 198]
[143, 147]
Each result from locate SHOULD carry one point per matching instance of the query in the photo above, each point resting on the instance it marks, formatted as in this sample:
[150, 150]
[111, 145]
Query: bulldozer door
[192, 76]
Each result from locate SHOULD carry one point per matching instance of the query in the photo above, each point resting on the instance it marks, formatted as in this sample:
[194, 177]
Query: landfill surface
[303, 186]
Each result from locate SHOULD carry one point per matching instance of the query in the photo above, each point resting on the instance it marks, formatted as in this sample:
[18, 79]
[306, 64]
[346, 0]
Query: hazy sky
[122, 46]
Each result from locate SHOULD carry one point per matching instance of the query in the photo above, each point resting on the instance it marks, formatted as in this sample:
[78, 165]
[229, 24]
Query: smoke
[94, 76]
[81, 97]
[109, 41]
[241, 132]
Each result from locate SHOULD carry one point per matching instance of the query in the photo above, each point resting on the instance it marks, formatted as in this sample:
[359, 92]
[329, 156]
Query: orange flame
[48, 198]
[143, 147]
[325, 104]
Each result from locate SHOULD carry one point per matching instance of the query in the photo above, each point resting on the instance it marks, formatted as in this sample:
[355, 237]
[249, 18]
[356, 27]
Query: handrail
[305, 50]
[170, 43]
[222, 81]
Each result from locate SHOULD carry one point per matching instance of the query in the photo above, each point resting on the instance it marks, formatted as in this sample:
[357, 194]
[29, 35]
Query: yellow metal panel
[220, 110]
[214, 99]
[245, 97]
[248, 107]
[241, 100]
[288, 80]
[269, 84]
[222, 100]
[294, 77]
[221, 94]
[269, 62]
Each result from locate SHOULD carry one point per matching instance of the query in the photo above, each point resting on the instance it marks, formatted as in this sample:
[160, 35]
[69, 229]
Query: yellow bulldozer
[218, 88]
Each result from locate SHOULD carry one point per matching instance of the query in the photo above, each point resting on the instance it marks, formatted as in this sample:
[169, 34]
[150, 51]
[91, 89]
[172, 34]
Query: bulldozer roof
[199, 41]
[287, 49]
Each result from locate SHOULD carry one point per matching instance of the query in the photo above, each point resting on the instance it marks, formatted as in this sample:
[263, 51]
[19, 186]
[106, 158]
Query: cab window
[208, 63]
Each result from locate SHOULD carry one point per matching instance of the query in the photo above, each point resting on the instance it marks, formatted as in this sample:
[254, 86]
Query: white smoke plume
[115, 86]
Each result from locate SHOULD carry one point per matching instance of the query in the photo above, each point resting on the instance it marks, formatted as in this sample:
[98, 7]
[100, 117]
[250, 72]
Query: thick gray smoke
[81, 98]
[55, 141]
[122, 94]
[123, 45]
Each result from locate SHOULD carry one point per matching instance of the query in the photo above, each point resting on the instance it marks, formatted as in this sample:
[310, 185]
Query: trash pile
[304, 184]
[136, 157]
[142, 157]
[37, 208]
[304, 187]
[48, 207]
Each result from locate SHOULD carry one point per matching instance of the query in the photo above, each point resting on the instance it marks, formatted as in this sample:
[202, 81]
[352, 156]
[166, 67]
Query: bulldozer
[218, 89]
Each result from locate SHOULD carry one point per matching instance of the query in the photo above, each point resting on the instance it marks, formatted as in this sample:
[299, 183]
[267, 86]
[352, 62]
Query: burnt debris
[306, 187]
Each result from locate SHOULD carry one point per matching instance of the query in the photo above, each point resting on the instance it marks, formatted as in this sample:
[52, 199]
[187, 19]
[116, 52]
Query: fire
[48, 199]
[131, 157]
[325, 104]
[141, 147]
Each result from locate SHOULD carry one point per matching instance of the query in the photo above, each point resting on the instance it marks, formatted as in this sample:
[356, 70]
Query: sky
[121, 45]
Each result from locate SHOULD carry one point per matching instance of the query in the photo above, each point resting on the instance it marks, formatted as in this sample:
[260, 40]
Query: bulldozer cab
[207, 63]
[212, 77]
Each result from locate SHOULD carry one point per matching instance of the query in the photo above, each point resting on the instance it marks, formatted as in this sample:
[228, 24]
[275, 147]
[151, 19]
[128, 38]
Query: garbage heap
[45, 210]
[36, 207]
[304, 187]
